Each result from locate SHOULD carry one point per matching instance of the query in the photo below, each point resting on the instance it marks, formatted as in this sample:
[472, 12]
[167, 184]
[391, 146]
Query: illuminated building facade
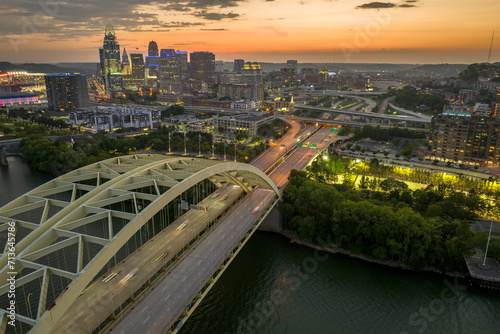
[460, 135]
[248, 123]
[173, 68]
[110, 66]
[137, 66]
[67, 92]
[202, 66]
[8, 99]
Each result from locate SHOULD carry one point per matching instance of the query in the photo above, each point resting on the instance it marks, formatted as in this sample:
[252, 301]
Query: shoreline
[293, 238]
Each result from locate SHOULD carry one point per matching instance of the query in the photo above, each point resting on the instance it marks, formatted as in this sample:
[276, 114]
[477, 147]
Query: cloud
[216, 16]
[379, 5]
[177, 24]
[376, 5]
[213, 29]
[66, 20]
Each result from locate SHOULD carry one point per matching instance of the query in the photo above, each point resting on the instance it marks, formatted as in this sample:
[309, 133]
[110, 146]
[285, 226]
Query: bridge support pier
[274, 220]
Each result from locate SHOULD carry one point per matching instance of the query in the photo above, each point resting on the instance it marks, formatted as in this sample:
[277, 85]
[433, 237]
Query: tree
[364, 183]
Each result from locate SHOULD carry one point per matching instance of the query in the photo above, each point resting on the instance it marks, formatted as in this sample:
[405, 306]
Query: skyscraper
[125, 64]
[173, 68]
[109, 54]
[153, 49]
[202, 66]
[167, 66]
[137, 65]
[181, 61]
[152, 62]
[67, 92]
[238, 65]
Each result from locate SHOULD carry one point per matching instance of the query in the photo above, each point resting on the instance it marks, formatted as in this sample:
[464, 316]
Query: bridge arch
[177, 173]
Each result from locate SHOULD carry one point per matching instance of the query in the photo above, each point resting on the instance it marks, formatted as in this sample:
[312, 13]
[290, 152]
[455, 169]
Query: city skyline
[404, 31]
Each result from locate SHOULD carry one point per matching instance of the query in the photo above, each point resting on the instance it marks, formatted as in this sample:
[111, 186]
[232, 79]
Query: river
[274, 286]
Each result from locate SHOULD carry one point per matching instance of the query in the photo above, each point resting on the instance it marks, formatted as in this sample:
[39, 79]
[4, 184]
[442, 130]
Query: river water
[274, 286]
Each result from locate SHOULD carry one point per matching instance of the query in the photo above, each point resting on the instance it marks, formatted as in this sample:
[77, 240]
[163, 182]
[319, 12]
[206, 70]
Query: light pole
[169, 150]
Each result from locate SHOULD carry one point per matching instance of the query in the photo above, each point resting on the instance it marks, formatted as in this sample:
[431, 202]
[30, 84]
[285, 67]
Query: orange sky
[422, 31]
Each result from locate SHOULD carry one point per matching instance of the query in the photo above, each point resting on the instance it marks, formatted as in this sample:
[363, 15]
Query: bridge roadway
[137, 268]
[103, 297]
[155, 312]
[351, 123]
[158, 309]
[400, 118]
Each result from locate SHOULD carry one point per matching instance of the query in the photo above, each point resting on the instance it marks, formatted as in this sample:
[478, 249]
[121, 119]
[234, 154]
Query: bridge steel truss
[44, 224]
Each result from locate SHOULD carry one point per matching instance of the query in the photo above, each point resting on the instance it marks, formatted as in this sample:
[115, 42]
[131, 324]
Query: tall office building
[110, 66]
[153, 49]
[152, 63]
[125, 64]
[137, 65]
[173, 68]
[202, 66]
[181, 61]
[238, 65]
[67, 92]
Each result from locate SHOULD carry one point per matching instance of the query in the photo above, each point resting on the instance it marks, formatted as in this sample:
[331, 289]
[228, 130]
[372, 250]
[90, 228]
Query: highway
[269, 156]
[105, 295]
[302, 156]
[157, 310]
[98, 301]
[398, 118]
[202, 261]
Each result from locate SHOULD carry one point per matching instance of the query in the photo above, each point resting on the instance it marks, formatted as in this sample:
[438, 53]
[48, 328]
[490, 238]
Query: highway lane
[156, 311]
[302, 156]
[108, 295]
[267, 158]
[103, 297]
[175, 290]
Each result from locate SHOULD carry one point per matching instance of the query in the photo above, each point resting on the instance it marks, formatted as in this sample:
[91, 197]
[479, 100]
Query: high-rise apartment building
[67, 92]
[202, 66]
[110, 66]
[460, 135]
[137, 65]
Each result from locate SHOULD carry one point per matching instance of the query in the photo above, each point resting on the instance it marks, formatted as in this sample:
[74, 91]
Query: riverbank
[294, 238]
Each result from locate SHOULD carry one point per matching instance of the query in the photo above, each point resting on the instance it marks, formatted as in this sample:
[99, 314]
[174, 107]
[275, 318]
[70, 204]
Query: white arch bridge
[69, 231]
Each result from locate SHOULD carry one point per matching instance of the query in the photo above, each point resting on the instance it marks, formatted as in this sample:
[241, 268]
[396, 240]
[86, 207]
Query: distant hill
[436, 70]
[49, 68]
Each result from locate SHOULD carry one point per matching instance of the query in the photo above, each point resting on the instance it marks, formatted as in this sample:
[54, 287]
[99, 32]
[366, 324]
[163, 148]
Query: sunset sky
[403, 31]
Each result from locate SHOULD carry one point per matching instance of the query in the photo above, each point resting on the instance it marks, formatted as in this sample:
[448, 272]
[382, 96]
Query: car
[224, 198]
[310, 155]
[256, 209]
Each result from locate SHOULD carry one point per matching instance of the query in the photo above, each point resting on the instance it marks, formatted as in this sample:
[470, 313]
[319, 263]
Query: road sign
[312, 145]
[333, 129]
